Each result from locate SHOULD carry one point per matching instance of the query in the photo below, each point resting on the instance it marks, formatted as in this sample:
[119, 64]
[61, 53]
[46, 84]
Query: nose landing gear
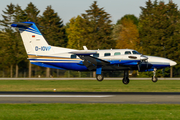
[154, 78]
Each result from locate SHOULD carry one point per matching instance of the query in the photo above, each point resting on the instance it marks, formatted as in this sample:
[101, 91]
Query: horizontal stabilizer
[21, 25]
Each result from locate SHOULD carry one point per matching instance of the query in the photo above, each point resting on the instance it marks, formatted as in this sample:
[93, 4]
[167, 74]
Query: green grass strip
[90, 86]
[89, 112]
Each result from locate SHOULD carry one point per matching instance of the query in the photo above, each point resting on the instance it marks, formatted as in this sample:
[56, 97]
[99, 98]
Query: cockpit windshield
[135, 52]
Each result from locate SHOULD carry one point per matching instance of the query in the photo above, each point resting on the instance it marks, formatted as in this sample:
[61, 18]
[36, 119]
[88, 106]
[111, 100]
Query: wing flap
[92, 62]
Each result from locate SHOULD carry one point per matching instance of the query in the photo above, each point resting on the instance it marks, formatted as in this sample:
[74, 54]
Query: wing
[92, 62]
[89, 61]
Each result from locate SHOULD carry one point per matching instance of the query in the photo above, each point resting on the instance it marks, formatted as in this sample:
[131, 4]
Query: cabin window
[96, 55]
[73, 56]
[128, 52]
[135, 52]
[117, 53]
[107, 54]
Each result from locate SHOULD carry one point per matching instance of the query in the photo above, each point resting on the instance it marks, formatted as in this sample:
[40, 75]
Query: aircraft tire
[125, 81]
[154, 79]
[99, 77]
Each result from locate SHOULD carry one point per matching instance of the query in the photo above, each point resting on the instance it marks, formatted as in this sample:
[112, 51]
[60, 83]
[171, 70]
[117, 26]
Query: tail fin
[34, 42]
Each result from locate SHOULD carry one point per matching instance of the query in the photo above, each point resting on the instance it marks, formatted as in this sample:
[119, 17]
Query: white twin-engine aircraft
[42, 54]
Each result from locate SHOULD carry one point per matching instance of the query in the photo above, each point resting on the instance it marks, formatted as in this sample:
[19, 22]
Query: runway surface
[91, 97]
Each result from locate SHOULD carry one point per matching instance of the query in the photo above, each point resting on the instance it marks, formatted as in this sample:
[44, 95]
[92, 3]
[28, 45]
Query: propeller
[142, 59]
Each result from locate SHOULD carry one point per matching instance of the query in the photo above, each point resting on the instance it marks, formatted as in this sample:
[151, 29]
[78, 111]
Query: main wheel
[154, 79]
[125, 81]
[99, 77]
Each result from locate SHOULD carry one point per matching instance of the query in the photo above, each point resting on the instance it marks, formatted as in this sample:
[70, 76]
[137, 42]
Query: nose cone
[172, 63]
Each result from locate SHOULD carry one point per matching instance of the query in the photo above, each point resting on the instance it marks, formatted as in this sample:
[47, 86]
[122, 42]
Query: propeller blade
[143, 57]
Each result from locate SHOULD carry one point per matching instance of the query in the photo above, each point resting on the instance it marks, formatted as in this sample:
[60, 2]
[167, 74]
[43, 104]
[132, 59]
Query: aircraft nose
[172, 63]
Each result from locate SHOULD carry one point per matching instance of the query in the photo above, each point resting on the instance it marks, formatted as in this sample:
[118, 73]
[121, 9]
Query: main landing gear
[125, 80]
[126, 77]
[99, 77]
[154, 78]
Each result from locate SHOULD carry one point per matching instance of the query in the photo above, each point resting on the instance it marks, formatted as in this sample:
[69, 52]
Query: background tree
[128, 36]
[4, 64]
[13, 45]
[116, 31]
[19, 15]
[126, 33]
[53, 28]
[7, 44]
[129, 17]
[76, 33]
[159, 26]
[32, 13]
[98, 26]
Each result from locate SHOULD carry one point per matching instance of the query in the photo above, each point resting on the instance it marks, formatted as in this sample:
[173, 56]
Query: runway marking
[58, 96]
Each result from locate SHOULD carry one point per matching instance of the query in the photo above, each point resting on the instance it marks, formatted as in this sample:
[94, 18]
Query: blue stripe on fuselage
[39, 60]
[79, 66]
[65, 66]
[46, 65]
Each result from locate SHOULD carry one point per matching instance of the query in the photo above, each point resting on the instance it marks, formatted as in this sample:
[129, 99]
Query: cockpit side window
[135, 52]
[117, 53]
[127, 52]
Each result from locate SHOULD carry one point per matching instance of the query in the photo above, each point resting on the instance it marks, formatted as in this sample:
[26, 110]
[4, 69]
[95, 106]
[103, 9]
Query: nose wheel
[154, 78]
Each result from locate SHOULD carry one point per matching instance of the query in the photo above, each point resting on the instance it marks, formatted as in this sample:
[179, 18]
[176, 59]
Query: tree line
[155, 32]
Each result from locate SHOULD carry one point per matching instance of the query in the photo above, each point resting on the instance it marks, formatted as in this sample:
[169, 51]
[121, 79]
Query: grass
[90, 86]
[88, 112]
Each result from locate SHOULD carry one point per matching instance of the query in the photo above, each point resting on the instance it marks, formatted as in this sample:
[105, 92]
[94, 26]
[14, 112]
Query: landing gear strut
[154, 78]
[126, 77]
[99, 75]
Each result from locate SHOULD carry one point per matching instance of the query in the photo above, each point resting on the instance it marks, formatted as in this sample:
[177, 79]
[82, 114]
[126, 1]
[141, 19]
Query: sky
[67, 9]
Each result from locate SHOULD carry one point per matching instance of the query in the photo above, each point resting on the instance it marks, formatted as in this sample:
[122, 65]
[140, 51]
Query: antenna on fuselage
[85, 48]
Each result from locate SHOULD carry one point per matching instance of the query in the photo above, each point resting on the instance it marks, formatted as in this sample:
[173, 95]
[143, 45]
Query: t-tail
[34, 41]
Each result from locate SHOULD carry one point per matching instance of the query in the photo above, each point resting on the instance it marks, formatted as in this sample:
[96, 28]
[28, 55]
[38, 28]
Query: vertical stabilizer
[34, 42]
